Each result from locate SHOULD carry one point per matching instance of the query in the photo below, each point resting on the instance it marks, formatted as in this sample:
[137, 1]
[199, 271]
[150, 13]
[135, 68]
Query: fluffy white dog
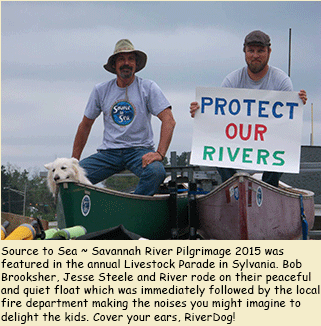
[65, 169]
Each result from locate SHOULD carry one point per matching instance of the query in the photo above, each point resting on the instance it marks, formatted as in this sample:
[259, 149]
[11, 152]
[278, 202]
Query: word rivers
[234, 107]
[261, 156]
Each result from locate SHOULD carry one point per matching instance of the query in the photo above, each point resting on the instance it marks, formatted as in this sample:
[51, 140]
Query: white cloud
[53, 52]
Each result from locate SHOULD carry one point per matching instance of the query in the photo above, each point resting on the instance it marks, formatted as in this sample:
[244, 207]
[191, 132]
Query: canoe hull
[99, 209]
[246, 208]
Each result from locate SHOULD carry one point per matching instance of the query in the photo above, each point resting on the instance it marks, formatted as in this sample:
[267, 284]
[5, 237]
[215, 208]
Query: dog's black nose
[56, 177]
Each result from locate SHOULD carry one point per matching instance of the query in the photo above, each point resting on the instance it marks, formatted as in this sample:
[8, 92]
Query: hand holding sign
[247, 129]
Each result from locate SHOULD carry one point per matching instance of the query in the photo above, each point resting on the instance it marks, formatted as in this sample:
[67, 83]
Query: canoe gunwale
[290, 192]
[108, 191]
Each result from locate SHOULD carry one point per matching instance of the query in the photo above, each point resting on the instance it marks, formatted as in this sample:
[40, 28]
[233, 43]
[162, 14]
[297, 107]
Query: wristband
[160, 155]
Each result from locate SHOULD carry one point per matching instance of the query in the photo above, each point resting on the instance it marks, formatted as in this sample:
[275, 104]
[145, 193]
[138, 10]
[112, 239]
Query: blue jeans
[271, 178]
[105, 163]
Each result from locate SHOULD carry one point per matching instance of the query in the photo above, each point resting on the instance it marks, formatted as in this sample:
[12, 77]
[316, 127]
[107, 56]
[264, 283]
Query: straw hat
[125, 46]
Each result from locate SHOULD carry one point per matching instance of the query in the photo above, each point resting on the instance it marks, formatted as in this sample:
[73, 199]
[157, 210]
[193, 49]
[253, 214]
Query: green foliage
[182, 160]
[165, 161]
[15, 184]
[122, 183]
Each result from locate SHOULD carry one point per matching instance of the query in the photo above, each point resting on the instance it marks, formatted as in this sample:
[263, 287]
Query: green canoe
[98, 209]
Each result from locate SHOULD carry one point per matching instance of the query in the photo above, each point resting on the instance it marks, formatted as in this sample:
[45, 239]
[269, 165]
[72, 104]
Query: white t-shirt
[127, 112]
[274, 80]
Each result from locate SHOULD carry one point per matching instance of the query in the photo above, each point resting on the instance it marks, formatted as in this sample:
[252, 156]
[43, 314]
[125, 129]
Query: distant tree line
[21, 191]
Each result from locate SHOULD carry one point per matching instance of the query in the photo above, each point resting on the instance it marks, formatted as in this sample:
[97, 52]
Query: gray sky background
[53, 52]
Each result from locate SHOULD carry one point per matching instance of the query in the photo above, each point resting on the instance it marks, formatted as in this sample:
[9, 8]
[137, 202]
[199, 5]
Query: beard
[256, 66]
[126, 71]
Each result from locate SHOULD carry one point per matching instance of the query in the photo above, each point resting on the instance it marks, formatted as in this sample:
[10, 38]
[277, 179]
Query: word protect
[234, 107]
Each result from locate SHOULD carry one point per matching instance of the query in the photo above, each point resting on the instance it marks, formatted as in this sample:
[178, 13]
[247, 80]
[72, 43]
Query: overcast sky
[52, 55]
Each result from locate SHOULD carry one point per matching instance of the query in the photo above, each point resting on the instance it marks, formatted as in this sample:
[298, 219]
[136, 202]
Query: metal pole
[173, 163]
[24, 200]
[9, 200]
[312, 141]
[289, 69]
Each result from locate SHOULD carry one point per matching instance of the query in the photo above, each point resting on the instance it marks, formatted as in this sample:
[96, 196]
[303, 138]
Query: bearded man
[256, 75]
[127, 103]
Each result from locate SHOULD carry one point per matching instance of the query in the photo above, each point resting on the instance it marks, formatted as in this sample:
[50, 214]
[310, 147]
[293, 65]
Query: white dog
[65, 169]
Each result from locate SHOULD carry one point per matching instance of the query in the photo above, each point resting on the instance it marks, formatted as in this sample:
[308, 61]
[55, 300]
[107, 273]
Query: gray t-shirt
[127, 112]
[274, 80]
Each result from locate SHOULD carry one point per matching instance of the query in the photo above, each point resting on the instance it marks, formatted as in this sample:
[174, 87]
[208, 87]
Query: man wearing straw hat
[127, 103]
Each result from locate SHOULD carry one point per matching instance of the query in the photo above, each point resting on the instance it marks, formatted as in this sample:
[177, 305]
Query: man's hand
[150, 158]
[193, 108]
[303, 96]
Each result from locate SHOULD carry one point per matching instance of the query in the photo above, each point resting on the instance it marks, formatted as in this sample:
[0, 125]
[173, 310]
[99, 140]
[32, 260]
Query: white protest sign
[248, 129]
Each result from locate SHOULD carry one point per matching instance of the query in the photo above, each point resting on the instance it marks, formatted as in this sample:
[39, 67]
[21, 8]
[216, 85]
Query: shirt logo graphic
[123, 113]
